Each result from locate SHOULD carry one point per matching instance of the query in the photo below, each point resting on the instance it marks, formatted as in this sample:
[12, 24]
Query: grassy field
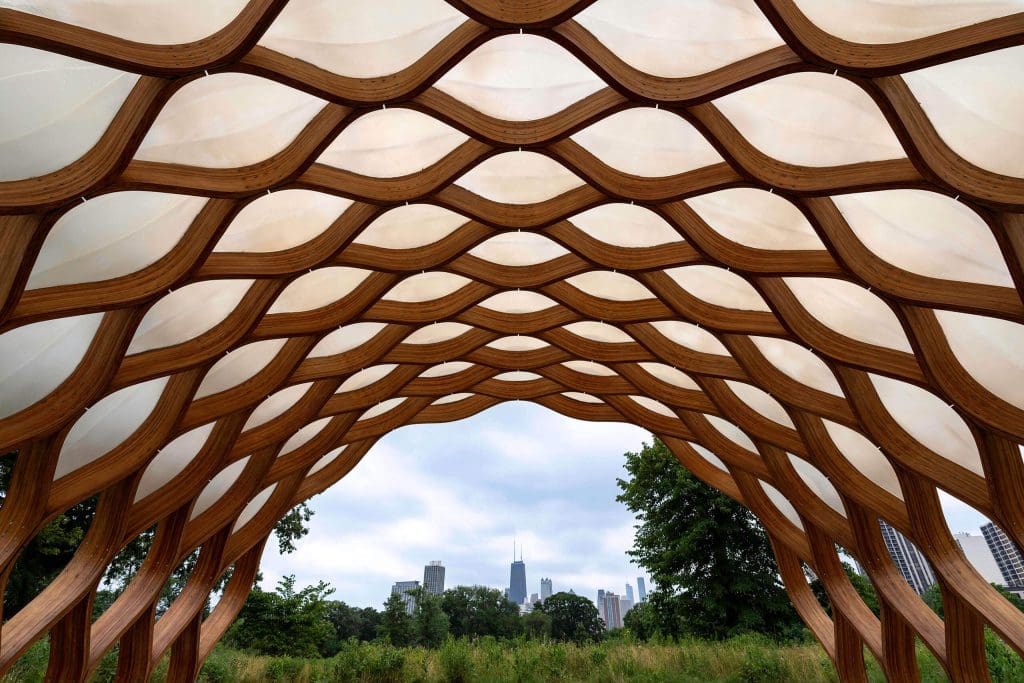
[741, 660]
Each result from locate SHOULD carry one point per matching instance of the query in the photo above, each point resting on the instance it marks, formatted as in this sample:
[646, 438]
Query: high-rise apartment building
[641, 588]
[433, 577]
[545, 589]
[612, 610]
[600, 606]
[977, 551]
[403, 589]
[907, 558]
[1007, 554]
[534, 599]
[629, 592]
[517, 582]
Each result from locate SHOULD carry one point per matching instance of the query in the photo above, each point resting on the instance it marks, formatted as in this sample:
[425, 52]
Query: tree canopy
[480, 611]
[284, 622]
[708, 555]
[573, 617]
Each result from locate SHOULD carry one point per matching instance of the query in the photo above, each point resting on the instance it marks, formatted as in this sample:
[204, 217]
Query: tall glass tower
[517, 582]
[433, 577]
[642, 588]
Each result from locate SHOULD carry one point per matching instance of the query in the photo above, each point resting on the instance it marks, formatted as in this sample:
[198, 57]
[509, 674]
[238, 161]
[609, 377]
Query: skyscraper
[600, 606]
[433, 577]
[517, 581]
[642, 588]
[979, 554]
[629, 592]
[612, 610]
[402, 588]
[907, 558]
[545, 589]
[1007, 554]
[534, 599]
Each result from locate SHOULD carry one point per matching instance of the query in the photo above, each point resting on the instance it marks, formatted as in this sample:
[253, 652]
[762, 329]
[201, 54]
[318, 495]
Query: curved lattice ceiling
[243, 240]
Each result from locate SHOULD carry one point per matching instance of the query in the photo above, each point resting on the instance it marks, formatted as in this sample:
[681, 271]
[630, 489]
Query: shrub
[762, 666]
[456, 661]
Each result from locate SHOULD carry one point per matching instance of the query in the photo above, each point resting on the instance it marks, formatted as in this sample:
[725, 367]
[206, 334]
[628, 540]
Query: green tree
[395, 623]
[285, 622]
[865, 589]
[475, 611]
[537, 624]
[352, 622]
[429, 622]
[641, 621]
[708, 555]
[573, 617]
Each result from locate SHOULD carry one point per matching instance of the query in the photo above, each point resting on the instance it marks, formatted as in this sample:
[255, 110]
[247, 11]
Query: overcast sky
[459, 493]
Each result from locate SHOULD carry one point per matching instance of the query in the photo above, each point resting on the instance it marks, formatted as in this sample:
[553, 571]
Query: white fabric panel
[326, 460]
[520, 342]
[926, 418]
[346, 338]
[227, 120]
[107, 423]
[519, 77]
[865, 456]
[276, 404]
[217, 487]
[648, 142]
[387, 143]
[811, 119]
[519, 178]
[518, 249]
[597, 331]
[318, 288]
[381, 408]
[365, 378]
[282, 220]
[304, 435]
[36, 358]
[409, 226]
[253, 507]
[718, 286]
[798, 363]
[187, 313]
[756, 218]
[977, 107]
[361, 39]
[159, 22]
[732, 432]
[581, 397]
[654, 406]
[851, 310]
[991, 349]
[670, 375]
[659, 37]
[55, 109]
[426, 287]
[709, 456]
[926, 233]
[610, 285]
[239, 365]
[818, 483]
[626, 225]
[894, 21]
[172, 460]
[447, 368]
[691, 336]
[112, 235]
[589, 367]
[517, 376]
[782, 503]
[761, 402]
[438, 332]
[451, 398]
[519, 301]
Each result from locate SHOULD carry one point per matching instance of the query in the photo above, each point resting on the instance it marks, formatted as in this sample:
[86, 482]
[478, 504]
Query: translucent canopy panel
[282, 220]
[382, 408]
[519, 301]
[304, 436]
[670, 375]
[989, 349]
[239, 366]
[982, 121]
[517, 343]
[518, 249]
[318, 288]
[798, 363]
[756, 218]
[346, 338]
[387, 143]
[227, 120]
[410, 226]
[811, 119]
[253, 507]
[610, 286]
[818, 483]
[517, 376]
[436, 333]
[731, 432]
[55, 109]
[761, 402]
[519, 78]
[276, 404]
[172, 460]
[519, 178]
[648, 142]
[599, 332]
[113, 235]
[160, 22]
[363, 39]
[865, 456]
[626, 225]
[691, 336]
[657, 38]
[780, 501]
[326, 460]
[187, 313]
[718, 286]
[653, 405]
[426, 287]
[218, 486]
[589, 368]
[445, 369]
[365, 378]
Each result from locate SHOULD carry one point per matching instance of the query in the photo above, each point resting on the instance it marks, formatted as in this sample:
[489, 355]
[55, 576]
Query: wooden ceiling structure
[240, 241]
